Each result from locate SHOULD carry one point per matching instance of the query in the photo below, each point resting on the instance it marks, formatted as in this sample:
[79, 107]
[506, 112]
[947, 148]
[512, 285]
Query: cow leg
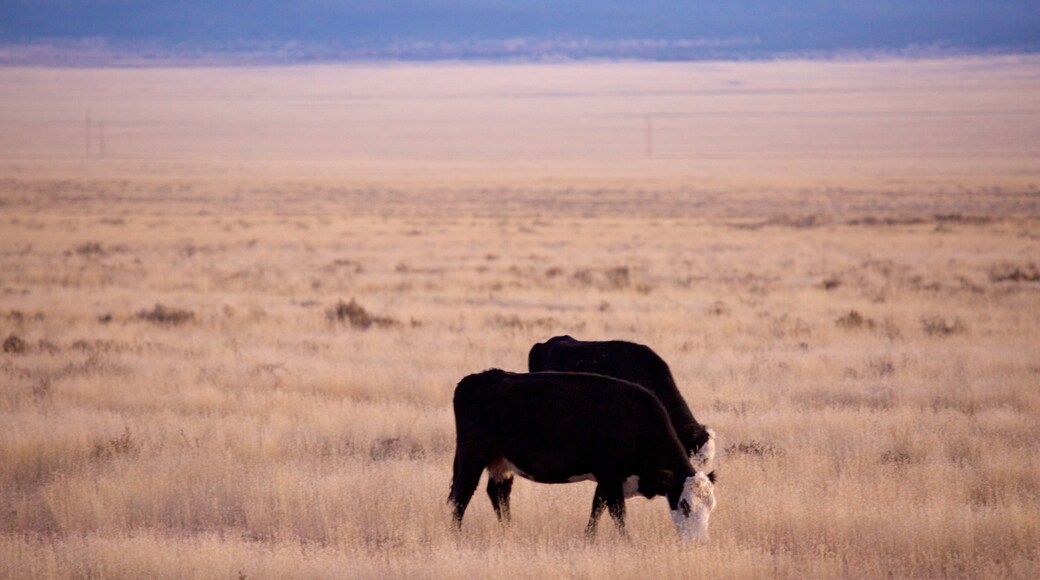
[611, 496]
[498, 489]
[616, 507]
[599, 502]
[463, 483]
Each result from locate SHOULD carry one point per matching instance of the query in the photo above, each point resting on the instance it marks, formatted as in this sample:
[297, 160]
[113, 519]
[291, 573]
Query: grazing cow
[565, 427]
[631, 362]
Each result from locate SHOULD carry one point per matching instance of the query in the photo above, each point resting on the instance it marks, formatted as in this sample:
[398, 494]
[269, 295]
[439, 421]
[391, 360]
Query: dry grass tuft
[853, 320]
[830, 283]
[162, 314]
[719, 308]
[943, 326]
[544, 323]
[394, 448]
[896, 458]
[14, 344]
[357, 316]
[1009, 272]
[754, 448]
[123, 445]
[90, 249]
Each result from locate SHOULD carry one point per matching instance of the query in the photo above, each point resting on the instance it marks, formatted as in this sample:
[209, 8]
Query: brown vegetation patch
[14, 345]
[47, 346]
[90, 249]
[897, 458]
[357, 316]
[891, 330]
[18, 317]
[956, 218]
[189, 250]
[785, 325]
[582, 277]
[881, 366]
[394, 448]
[755, 448]
[789, 221]
[162, 314]
[514, 321]
[942, 326]
[739, 408]
[124, 445]
[96, 345]
[614, 278]
[346, 264]
[830, 283]
[1009, 272]
[966, 284]
[853, 320]
[875, 399]
[719, 308]
[885, 221]
[618, 277]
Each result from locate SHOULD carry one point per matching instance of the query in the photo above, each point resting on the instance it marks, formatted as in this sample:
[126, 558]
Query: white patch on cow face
[583, 477]
[694, 508]
[704, 456]
[630, 486]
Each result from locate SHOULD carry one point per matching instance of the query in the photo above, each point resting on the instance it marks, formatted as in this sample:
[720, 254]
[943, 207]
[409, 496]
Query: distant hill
[494, 29]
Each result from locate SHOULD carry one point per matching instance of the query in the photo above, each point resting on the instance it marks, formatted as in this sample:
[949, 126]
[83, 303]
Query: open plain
[234, 303]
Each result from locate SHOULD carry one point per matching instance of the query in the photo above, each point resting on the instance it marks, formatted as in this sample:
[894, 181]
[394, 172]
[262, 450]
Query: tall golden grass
[228, 367]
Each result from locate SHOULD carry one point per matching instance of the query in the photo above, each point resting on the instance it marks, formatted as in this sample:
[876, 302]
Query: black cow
[566, 427]
[631, 362]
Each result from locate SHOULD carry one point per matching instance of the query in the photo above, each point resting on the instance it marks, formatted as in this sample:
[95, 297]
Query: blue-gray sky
[761, 26]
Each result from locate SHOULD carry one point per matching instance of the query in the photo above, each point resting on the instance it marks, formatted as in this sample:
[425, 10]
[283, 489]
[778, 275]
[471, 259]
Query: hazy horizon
[465, 29]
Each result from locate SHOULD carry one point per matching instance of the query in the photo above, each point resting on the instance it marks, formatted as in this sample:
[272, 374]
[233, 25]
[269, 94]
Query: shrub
[618, 277]
[514, 321]
[941, 326]
[122, 445]
[719, 308]
[90, 249]
[1007, 272]
[896, 458]
[356, 315]
[14, 345]
[755, 448]
[854, 320]
[394, 448]
[166, 315]
[830, 283]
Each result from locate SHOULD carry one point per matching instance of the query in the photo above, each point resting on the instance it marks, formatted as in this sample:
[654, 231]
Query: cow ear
[665, 479]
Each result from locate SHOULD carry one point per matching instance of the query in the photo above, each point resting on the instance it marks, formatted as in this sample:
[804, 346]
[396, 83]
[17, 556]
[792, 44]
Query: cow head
[704, 456]
[691, 507]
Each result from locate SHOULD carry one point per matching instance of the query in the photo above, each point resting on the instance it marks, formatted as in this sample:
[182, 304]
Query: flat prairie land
[234, 309]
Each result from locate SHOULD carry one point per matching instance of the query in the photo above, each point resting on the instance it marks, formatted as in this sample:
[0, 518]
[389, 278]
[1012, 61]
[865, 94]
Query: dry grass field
[230, 342]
